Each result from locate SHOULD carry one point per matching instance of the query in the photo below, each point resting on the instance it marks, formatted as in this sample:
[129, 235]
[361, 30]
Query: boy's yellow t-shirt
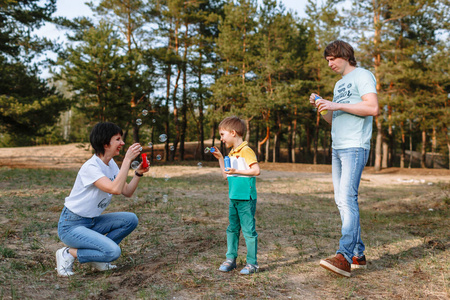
[242, 187]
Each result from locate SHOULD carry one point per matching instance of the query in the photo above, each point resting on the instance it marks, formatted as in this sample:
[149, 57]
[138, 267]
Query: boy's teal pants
[242, 217]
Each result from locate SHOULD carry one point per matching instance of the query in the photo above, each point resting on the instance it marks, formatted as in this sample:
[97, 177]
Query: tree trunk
[377, 63]
[277, 140]
[423, 156]
[167, 113]
[308, 139]
[175, 116]
[403, 145]
[433, 146]
[294, 135]
[135, 133]
[184, 106]
[274, 149]
[247, 134]
[290, 134]
[410, 145]
[447, 139]
[378, 145]
[316, 138]
[385, 156]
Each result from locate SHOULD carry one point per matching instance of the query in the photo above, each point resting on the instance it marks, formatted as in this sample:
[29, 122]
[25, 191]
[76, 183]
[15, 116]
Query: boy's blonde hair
[234, 123]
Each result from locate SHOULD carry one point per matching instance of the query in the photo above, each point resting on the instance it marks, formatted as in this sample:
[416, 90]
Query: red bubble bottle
[144, 160]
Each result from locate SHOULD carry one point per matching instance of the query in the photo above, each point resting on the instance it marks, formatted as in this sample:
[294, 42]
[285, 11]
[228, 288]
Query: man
[350, 113]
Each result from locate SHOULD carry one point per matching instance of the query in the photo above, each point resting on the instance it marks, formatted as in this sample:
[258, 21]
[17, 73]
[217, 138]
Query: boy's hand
[230, 171]
[217, 154]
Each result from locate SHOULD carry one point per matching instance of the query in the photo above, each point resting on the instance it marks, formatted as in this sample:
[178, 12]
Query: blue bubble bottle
[226, 161]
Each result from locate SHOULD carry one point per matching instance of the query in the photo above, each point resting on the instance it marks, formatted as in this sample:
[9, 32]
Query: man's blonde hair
[234, 123]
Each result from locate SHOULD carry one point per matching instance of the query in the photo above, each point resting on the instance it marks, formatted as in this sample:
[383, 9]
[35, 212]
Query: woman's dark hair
[101, 135]
[340, 49]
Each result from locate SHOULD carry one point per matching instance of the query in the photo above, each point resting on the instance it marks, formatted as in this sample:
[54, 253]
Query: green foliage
[94, 71]
[28, 107]
[190, 63]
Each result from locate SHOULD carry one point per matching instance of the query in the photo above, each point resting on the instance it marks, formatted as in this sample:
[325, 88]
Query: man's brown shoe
[359, 262]
[337, 264]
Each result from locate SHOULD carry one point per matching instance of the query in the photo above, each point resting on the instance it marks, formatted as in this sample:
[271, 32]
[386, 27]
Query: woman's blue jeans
[347, 167]
[97, 239]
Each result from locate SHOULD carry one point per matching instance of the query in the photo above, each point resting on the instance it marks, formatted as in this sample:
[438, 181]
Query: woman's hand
[142, 170]
[132, 152]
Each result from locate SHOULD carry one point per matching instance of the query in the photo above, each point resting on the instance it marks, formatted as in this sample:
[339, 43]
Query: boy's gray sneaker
[228, 265]
[249, 269]
[64, 265]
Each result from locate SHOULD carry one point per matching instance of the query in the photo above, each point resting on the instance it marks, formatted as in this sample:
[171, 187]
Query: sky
[76, 8]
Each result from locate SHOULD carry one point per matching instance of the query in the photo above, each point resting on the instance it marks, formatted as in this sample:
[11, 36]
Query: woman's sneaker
[102, 266]
[359, 262]
[228, 265]
[249, 269]
[64, 263]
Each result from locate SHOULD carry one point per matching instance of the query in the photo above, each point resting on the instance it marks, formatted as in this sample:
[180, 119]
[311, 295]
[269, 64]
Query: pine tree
[395, 34]
[276, 64]
[95, 71]
[206, 22]
[236, 48]
[28, 107]
[323, 24]
[127, 17]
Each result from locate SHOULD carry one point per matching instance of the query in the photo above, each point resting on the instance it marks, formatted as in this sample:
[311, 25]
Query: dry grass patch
[181, 241]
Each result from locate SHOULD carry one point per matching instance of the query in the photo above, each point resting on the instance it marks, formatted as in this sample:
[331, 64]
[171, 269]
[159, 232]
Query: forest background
[178, 67]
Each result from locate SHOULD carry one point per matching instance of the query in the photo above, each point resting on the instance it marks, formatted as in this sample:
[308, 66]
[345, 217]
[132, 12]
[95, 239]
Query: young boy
[242, 193]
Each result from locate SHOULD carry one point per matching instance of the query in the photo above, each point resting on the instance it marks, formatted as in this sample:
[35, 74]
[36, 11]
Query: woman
[91, 237]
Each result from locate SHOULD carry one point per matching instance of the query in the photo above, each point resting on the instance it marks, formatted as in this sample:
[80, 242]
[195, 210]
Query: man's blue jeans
[347, 167]
[97, 239]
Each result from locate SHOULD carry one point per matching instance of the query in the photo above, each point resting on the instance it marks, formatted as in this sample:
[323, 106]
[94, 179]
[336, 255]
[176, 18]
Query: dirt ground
[71, 156]
[290, 261]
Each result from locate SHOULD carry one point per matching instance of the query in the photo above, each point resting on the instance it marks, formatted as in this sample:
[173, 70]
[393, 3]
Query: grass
[179, 244]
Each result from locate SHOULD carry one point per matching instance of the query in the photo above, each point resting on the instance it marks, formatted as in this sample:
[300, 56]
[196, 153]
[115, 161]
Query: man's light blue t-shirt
[349, 130]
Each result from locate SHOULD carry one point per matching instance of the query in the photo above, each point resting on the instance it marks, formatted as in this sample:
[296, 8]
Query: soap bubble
[163, 138]
[154, 120]
[135, 164]
[145, 112]
[165, 198]
[140, 148]
[172, 148]
[199, 165]
[166, 177]
[158, 157]
[138, 122]
[150, 145]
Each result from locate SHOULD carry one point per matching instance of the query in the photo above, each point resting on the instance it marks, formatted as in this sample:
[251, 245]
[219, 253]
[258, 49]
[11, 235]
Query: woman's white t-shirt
[85, 199]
